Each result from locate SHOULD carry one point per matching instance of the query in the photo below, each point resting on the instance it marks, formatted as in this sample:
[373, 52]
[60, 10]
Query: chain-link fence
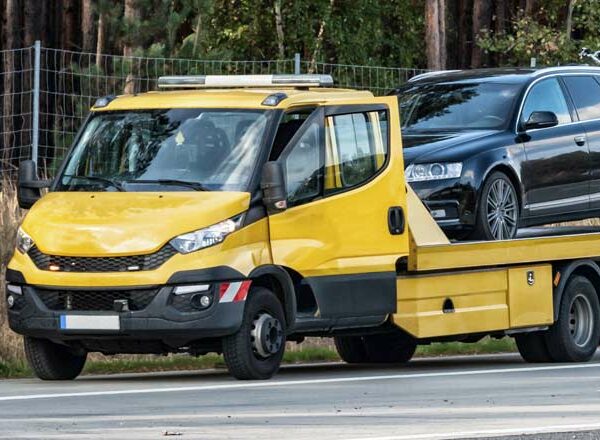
[46, 93]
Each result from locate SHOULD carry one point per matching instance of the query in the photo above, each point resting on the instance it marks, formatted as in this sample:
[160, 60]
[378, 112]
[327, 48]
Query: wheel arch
[587, 268]
[512, 176]
[279, 281]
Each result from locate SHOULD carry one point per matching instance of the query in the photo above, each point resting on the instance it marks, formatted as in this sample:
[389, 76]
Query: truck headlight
[209, 236]
[433, 171]
[24, 241]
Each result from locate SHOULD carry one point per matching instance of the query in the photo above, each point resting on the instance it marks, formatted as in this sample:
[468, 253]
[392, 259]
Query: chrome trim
[429, 74]
[559, 202]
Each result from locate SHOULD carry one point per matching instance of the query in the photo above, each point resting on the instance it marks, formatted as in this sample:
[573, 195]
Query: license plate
[89, 322]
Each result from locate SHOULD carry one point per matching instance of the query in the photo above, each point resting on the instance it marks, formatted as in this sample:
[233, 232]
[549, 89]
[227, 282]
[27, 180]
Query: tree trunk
[570, 18]
[69, 29]
[482, 19]
[464, 32]
[32, 12]
[10, 108]
[435, 34]
[197, 35]
[131, 15]
[529, 7]
[319, 39]
[88, 26]
[100, 40]
[279, 29]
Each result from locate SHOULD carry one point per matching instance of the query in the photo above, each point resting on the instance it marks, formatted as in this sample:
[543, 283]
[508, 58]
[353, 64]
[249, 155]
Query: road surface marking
[275, 383]
[488, 433]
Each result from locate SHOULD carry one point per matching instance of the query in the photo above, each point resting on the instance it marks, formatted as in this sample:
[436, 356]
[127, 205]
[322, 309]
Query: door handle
[396, 221]
[580, 140]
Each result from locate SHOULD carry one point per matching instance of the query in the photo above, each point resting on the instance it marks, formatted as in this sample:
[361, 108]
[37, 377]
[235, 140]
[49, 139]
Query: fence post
[297, 63]
[35, 123]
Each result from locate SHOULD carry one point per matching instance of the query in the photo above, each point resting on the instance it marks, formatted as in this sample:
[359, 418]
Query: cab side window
[360, 147]
[303, 166]
[546, 96]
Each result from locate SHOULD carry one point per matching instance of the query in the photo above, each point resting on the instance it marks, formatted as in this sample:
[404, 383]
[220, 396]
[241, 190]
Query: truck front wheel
[256, 350]
[575, 335]
[50, 361]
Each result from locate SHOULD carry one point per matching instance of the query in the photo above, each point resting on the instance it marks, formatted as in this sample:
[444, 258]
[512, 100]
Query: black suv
[492, 150]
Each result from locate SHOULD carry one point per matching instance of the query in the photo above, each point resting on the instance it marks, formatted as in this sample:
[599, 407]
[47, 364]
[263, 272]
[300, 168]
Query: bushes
[11, 351]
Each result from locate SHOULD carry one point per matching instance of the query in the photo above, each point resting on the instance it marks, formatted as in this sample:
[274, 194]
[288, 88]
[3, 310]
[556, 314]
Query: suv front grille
[101, 264]
[95, 300]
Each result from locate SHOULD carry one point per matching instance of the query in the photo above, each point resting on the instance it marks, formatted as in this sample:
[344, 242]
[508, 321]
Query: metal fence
[46, 93]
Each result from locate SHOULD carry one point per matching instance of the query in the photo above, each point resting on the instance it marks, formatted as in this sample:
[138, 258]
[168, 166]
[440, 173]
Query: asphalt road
[460, 397]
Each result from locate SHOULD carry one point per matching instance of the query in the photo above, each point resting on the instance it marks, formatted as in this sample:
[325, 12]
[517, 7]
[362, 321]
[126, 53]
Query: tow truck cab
[241, 212]
[174, 209]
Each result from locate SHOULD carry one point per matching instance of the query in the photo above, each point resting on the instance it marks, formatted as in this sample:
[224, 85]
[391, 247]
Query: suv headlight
[24, 241]
[205, 237]
[432, 171]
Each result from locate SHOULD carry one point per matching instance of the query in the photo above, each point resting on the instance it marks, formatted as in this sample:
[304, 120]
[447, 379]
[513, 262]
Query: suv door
[345, 193]
[555, 172]
[585, 91]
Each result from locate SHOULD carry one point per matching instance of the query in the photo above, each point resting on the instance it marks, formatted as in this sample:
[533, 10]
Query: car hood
[124, 223]
[417, 146]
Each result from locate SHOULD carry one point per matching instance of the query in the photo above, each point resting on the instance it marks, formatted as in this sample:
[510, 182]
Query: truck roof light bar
[224, 81]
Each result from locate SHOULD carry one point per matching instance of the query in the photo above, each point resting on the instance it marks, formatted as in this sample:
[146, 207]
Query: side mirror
[541, 120]
[28, 184]
[273, 187]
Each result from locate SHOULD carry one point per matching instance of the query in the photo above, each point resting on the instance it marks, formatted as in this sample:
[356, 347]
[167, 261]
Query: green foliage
[544, 36]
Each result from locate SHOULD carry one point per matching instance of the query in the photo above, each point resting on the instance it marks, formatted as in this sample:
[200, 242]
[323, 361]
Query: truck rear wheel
[397, 347]
[256, 350]
[575, 335]
[532, 347]
[50, 361]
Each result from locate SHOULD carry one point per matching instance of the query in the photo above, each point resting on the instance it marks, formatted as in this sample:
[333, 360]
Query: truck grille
[101, 264]
[95, 300]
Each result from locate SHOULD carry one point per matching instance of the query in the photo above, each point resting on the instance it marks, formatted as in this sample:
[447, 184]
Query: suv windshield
[170, 149]
[456, 106]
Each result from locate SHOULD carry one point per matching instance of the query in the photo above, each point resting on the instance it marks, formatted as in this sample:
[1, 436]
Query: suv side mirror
[28, 184]
[273, 187]
[541, 120]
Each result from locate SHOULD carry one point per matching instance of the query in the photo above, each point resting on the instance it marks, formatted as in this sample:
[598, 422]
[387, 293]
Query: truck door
[344, 228]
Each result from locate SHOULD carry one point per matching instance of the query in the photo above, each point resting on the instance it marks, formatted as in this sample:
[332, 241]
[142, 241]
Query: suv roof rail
[226, 81]
[428, 74]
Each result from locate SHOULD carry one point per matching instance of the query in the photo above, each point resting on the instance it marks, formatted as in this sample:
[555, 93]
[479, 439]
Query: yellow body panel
[346, 233]
[243, 251]
[484, 301]
[530, 304]
[92, 224]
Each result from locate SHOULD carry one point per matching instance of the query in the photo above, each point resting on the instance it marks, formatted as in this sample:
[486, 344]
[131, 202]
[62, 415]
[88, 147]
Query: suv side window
[546, 96]
[585, 92]
[303, 165]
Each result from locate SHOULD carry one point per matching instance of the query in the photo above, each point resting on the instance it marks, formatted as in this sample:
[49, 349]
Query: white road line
[488, 433]
[275, 383]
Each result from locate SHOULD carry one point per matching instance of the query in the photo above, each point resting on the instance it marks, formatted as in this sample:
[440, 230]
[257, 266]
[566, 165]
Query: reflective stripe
[234, 292]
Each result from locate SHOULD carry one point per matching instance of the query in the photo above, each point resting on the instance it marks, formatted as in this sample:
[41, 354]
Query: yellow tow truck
[232, 214]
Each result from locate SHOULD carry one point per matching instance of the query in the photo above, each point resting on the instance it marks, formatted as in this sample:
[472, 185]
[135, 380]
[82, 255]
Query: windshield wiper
[196, 186]
[111, 182]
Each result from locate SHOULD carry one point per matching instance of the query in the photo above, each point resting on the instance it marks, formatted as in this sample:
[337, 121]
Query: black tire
[575, 335]
[506, 214]
[397, 348]
[240, 349]
[50, 361]
[351, 349]
[533, 348]
[390, 348]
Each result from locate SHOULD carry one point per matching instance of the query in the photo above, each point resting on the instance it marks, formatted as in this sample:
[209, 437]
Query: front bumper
[173, 324]
[452, 202]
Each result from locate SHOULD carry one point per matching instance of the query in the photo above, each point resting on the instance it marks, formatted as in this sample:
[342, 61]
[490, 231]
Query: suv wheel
[498, 211]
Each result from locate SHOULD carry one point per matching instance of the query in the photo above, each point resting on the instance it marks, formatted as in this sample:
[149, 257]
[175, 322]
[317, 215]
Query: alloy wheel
[501, 209]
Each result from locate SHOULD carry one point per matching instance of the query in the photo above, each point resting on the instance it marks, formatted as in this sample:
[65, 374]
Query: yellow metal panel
[530, 295]
[91, 224]
[479, 298]
[243, 251]
[494, 253]
[424, 230]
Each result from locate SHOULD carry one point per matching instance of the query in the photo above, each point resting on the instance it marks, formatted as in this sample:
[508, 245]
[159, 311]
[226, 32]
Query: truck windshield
[457, 106]
[170, 149]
